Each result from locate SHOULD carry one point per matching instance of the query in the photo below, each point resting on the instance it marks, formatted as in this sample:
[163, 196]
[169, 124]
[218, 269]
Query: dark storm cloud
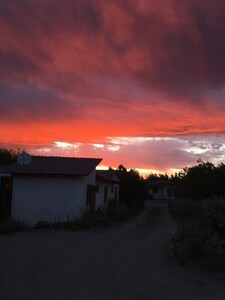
[47, 16]
[183, 43]
[30, 103]
[13, 63]
[186, 48]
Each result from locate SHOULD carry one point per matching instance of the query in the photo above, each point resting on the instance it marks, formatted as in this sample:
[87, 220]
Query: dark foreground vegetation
[199, 213]
[200, 234]
[11, 225]
[8, 156]
[201, 181]
[115, 212]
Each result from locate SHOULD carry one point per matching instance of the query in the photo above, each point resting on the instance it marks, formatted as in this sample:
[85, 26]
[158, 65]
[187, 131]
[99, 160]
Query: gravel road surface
[130, 261]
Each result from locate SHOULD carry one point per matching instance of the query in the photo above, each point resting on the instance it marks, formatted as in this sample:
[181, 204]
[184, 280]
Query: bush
[12, 225]
[103, 217]
[69, 225]
[187, 242]
[185, 208]
[118, 212]
[115, 212]
[200, 231]
[214, 255]
[86, 220]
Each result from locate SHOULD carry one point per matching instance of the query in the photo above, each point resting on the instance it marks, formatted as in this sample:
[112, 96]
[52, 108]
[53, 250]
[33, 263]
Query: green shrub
[69, 225]
[187, 242]
[86, 220]
[200, 233]
[214, 255]
[103, 217]
[185, 208]
[118, 212]
[115, 212]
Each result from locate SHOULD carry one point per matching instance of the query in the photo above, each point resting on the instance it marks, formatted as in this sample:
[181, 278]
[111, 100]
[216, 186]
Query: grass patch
[12, 225]
[115, 212]
[101, 217]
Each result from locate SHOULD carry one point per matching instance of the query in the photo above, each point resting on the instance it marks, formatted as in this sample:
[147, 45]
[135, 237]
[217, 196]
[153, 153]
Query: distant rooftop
[53, 165]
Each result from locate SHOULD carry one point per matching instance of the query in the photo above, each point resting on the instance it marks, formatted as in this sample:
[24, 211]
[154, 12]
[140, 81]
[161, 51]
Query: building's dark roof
[52, 165]
[161, 183]
[107, 175]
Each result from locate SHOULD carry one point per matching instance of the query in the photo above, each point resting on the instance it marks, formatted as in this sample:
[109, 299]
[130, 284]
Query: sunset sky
[137, 82]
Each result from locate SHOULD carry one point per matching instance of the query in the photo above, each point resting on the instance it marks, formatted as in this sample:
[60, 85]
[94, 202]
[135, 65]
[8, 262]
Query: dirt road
[131, 261]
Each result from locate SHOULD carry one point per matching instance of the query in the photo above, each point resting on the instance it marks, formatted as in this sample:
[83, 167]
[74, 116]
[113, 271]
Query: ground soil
[131, 261]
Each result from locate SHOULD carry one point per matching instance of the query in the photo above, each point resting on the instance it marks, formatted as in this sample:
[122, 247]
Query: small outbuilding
[162, 190]
[40, 188]
[107, 187]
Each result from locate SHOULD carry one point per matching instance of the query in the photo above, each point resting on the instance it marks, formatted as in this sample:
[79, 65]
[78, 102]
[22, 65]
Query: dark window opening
[155, 190]
[105, 194]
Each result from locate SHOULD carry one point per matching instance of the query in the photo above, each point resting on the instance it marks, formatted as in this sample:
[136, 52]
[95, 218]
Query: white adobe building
[162, 190]
[40, 188]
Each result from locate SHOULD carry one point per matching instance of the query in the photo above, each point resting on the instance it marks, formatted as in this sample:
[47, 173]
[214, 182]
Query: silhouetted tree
[153, 177]
[202, 180]
[8, 156]
[133, 188]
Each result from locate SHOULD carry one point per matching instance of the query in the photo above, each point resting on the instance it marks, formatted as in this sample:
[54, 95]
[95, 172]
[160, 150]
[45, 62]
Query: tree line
[202, 180]
[8, 156]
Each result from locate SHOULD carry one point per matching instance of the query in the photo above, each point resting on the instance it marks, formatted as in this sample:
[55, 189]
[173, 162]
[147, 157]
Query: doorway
[5, 197]
[90, 203]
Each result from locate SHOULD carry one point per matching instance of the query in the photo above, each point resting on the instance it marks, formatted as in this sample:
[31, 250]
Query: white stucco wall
[111, 192]
[49, 198]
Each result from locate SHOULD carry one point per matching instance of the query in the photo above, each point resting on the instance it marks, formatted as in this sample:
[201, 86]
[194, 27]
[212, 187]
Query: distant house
[47, 188]
[162, 190]
[107, 187]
